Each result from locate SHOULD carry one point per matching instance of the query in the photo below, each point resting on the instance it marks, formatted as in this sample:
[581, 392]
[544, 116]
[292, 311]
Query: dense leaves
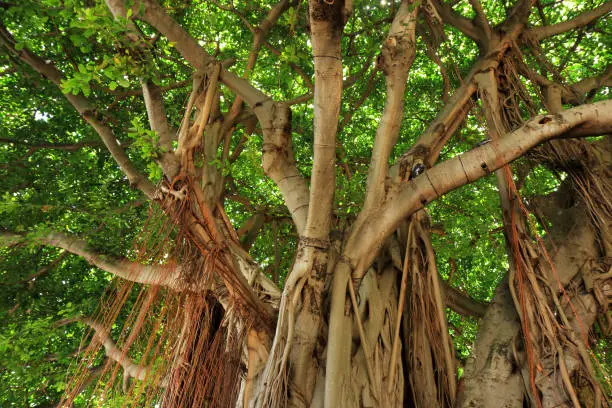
[56, 174]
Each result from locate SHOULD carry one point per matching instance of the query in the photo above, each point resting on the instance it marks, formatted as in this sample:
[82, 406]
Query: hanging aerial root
[400, 309]
[196, 359]
[547, 332]
[364, 343]
[547, 337]
[431, 365]
[587, 165]
[206, 368]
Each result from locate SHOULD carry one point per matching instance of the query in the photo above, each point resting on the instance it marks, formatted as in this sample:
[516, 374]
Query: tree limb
[250, 230]
[540, 33]
[573, 94]
[326, 25]
[154, 103]
[429, 145]
[589, 84]
[461, 303]
[159, 123]
[87, 112]
[298, 70]
[137, 92]
[189, 48]
[465, 25]
[481, 18]
[278, 160]
[398, 53]
[164, 275]
[586, 120]
[432, 140]
[130, 369]
[40, 272]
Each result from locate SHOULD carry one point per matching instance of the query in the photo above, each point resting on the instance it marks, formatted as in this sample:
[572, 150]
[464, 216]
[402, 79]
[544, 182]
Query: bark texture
[361, 320]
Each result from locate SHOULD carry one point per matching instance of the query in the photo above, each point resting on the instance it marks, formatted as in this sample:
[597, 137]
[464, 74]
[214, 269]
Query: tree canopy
[237, 159]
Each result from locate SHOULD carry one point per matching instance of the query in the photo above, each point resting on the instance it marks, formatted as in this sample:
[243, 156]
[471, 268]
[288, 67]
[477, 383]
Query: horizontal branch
[570, 94]
[540, 33]
[407, 198]
[461, 303]
[146, 274]
[589, 84]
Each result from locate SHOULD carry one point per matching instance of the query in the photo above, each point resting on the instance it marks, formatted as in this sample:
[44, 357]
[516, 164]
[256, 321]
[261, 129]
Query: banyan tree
[307, 203]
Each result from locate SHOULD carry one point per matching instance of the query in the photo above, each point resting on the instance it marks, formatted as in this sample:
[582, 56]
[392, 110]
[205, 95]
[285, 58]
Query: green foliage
[146, 142]
[81, 191]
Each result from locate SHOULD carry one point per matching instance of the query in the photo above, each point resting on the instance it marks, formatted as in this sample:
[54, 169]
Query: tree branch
[429, 145]
[259, 37]
[540, 33]
[326, 25]
[275, 118]
[40, 272]
[130, 369]
[481, 18]
[461, 303]
[69, 147]
[465, 25]
[137, 92]
[159, 123]
[189, 48]
[398, 53]
[573, 94]
[278, 160]
[154, 103]
[589, 84]
[86, 110]
[586, 120]
[250, 230]
[298, 70]
[164, 275]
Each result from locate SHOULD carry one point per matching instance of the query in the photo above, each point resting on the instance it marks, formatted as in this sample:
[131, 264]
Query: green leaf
[123, 82]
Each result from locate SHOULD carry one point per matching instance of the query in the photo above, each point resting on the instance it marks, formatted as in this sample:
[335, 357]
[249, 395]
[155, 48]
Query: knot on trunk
[322, 244]
[413, 162]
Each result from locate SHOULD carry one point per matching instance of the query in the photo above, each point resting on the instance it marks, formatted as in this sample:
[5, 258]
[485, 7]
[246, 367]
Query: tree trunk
[361, 319]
